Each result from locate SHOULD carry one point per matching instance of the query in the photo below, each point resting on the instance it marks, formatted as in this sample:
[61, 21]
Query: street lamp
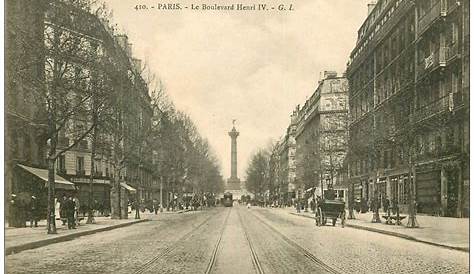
[137, 201]
[376, 202]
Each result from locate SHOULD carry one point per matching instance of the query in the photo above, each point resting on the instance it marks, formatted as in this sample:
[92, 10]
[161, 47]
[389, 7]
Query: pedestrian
[15, 216]
[69, 208]
[62, 210]
[155, 206]
[34, 212]
[386, 204]
[77, 207]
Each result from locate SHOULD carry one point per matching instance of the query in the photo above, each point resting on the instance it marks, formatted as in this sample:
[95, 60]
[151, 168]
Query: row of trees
[87, 86]
[263, 175]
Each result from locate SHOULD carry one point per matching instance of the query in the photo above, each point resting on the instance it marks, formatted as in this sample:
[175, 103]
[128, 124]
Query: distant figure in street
[248, 205]
[62, 210]
[34, 212]
[16, 219]
[77, 207]
[69, 208]
[386, 204]
[156, 206]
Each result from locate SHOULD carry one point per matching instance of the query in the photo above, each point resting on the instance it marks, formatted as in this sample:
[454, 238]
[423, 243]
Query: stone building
[24, 133]
[284, 157]
[98, 63]
[321, 136]
[409, 90]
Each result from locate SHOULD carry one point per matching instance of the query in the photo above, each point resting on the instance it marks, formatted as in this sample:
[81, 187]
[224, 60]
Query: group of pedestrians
[24, 208]
[69, 211]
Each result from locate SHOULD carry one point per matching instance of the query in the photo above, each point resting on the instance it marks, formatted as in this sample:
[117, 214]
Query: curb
[41, 243]
[395, 234]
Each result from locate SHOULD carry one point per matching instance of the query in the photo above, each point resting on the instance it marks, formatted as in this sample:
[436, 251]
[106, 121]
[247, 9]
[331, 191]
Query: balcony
[433, 61]
[452, 52]
[443, 104]
[438, 10]
[393, 20]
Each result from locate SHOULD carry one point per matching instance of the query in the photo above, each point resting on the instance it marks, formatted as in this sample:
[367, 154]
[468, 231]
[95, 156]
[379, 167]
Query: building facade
[285, 163]
[62, 36]
[321, 137]
[409, 107]
[25, 134]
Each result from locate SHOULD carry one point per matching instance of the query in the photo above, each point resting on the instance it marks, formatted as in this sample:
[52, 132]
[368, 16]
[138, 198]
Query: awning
[60, 182]
[127, 187]
[87, 181]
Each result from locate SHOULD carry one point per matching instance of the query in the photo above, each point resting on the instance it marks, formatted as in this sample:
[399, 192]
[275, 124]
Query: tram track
[255, 260]
[310, 256]
[151, 263]
[212, 261]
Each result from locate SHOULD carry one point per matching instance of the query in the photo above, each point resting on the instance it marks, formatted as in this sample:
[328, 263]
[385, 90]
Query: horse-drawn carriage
[330, 209]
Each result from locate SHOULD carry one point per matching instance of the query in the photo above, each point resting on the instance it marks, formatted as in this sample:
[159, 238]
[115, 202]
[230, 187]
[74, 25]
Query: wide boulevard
[237, 240]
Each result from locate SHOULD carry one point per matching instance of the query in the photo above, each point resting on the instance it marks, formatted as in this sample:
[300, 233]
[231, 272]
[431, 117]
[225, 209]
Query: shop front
[100, 195]
[29, 182]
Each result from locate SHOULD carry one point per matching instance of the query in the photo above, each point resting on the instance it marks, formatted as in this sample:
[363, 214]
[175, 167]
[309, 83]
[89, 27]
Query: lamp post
[376, 203]
[137, 202]
[161, 193]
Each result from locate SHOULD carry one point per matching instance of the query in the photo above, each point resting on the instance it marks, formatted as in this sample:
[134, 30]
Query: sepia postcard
[236, 136]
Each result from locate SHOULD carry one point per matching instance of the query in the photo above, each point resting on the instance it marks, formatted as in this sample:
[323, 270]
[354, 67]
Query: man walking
[77, 207]
[33, 212]
[62, 209]
[156, 206]
[69, 207]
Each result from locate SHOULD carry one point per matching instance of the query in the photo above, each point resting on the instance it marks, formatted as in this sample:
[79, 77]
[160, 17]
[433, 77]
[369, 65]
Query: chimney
[330, 74]
[371, 6]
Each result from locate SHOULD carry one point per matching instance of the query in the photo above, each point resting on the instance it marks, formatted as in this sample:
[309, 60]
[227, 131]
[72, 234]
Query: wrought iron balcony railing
[431, 62]
[443, 104]
[438, 10]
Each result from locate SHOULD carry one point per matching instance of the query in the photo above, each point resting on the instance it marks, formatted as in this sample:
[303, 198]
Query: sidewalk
[440, 231]
[19, 239]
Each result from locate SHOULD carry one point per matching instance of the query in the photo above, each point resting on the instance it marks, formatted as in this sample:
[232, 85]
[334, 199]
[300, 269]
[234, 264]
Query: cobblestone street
[237, 240]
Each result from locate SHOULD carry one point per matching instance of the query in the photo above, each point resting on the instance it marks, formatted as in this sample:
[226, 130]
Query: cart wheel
[334, 221]
[343, 219]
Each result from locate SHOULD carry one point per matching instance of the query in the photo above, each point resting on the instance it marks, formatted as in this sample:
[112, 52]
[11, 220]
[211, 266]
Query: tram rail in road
[255, 260]
[151, 263]
[217, 246]
[301, 249]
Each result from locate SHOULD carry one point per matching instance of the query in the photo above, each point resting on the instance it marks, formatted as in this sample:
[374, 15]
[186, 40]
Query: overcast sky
[251, 66]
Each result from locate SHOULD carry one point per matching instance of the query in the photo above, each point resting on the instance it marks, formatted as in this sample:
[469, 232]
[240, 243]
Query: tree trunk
[51, 220]
[351, 202]
[90, 215]
[412, 222]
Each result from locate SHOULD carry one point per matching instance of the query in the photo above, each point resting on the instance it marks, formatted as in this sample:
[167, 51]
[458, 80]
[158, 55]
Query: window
[80, 166]
[454, 82]
[61, 165]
